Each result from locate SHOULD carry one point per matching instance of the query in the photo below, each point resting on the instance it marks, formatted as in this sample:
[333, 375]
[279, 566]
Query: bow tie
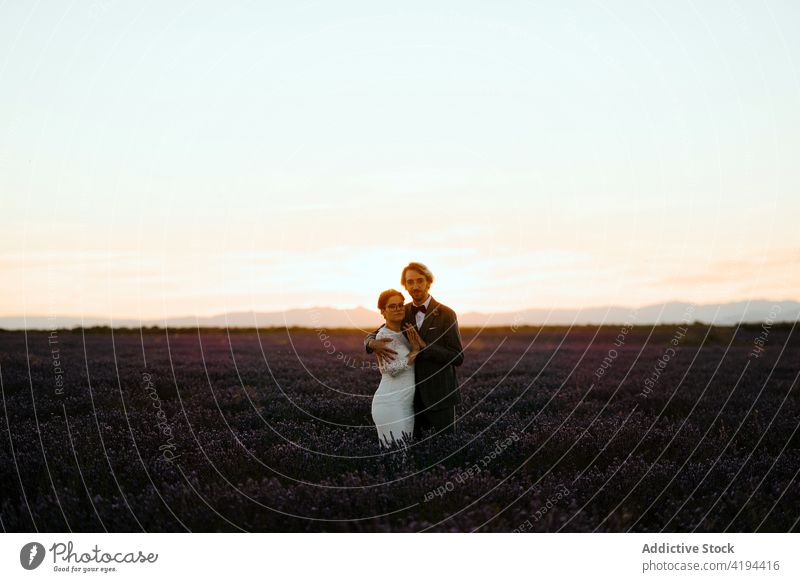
[415, 309]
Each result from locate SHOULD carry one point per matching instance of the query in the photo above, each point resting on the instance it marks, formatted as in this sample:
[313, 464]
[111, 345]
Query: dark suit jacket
[435, 366]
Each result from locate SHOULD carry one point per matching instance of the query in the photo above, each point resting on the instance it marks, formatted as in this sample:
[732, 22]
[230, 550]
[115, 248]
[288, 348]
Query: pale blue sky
[198, 157]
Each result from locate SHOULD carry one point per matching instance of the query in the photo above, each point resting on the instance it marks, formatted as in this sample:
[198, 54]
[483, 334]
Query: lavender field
[577, 430]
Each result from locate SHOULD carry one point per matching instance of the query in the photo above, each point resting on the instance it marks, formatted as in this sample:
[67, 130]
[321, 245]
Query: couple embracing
[418, 349]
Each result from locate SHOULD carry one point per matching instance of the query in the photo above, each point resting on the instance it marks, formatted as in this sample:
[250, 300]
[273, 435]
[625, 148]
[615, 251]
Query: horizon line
[285, 310]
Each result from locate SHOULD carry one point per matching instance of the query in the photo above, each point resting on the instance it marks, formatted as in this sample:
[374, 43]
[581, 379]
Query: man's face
[417, 285]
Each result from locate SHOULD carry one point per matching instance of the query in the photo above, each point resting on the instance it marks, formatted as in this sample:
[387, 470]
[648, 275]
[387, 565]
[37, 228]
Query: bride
[393, 403]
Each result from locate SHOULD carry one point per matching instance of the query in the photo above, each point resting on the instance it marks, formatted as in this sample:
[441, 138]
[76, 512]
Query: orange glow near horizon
[208, 175]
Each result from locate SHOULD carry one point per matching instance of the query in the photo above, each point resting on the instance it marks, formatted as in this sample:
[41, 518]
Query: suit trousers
[441, 421]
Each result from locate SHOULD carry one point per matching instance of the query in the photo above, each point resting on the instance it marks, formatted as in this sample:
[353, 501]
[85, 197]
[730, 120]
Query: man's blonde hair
[416, 267]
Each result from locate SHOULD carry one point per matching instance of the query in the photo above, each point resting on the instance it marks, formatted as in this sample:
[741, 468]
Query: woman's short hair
[416, 267]
[386, 295]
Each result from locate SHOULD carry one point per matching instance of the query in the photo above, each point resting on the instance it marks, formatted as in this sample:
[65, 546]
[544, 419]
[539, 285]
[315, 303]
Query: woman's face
[394, 311]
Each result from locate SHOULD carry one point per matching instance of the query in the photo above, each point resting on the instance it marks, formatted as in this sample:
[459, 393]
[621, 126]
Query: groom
[437, 392]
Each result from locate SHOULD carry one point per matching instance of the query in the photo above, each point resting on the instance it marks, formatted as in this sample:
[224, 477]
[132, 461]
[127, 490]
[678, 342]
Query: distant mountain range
[362, 318]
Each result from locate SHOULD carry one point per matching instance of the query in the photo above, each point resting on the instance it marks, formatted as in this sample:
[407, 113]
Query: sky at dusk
[169, 159]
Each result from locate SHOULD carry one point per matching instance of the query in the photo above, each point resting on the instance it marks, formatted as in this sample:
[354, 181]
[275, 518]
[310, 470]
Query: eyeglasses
[395, 307]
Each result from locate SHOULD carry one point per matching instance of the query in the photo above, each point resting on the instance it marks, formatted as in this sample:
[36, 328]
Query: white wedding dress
[393, 403]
